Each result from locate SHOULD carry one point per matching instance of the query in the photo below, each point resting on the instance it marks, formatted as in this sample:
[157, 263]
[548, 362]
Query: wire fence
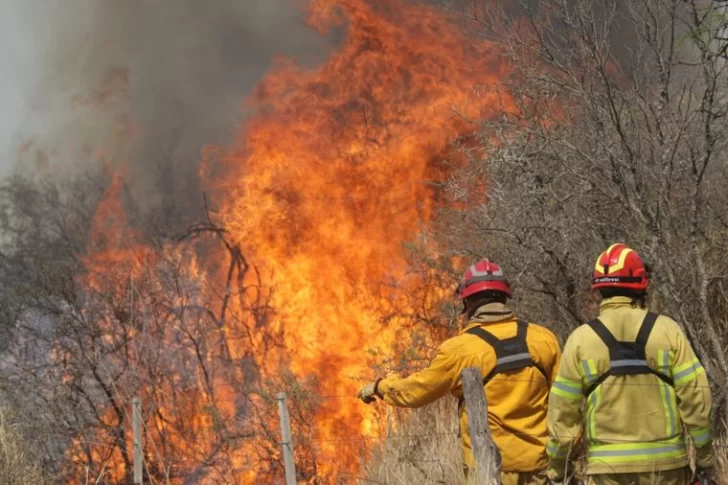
[304, 398]
[437, 466]
[345, 436]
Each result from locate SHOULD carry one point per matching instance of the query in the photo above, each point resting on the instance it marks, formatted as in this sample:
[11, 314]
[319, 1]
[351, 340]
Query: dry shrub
[721, 452]
[421, 446]
[18, 466]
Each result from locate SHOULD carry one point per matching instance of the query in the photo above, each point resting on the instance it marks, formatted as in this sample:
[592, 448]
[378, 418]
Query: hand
[704, 476]
[369, 393]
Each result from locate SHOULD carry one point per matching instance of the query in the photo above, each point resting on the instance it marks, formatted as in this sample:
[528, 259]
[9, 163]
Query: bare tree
[613, 129]
[97, 310]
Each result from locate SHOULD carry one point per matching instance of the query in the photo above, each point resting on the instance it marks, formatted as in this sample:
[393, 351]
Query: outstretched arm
[422, 387]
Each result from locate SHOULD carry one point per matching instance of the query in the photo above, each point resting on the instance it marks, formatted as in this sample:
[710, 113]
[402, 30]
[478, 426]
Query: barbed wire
[378, 438]
[345, 437]
[524, 434]
[365, 439]
[658, 384]
[563, 438]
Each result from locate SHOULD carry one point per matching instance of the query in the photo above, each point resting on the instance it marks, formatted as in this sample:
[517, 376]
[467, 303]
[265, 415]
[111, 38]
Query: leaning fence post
[487, 456]
[136, 426]
[288, 464]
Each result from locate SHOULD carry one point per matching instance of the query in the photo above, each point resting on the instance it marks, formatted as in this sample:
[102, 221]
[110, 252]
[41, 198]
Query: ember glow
[319, 190]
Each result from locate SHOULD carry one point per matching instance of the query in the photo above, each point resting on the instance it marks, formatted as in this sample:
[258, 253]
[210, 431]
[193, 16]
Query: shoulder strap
[489, 338]
[614, 347]
[646, 329]
[494, 342]
[643, 336]
[522, 331]
[603, 332]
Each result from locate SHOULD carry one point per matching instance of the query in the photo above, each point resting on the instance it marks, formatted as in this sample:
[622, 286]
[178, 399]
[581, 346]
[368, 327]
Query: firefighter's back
[517, 398]
[631, 420]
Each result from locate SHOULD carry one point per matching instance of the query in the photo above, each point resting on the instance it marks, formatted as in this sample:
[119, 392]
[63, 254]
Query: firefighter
[519, 361]
[640, 381]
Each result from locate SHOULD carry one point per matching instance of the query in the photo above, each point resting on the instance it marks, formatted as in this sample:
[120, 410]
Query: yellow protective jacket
[517, 402]
[632, 423]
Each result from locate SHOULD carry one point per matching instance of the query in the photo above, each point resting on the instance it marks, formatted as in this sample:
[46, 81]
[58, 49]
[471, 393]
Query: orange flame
[331, 176]
[320, 189]
[114, 246]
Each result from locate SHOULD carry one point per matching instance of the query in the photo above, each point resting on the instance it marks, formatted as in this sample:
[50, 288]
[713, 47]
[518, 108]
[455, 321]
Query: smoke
[148, 83]
[24, 35]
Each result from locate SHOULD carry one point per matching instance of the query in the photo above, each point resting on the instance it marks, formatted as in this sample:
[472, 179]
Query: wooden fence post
[136, 428]
[288, 462]
[487, 457]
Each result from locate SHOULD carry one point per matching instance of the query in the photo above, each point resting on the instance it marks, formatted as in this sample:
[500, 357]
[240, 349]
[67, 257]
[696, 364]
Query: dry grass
[422, 447]
[17, 465]
[721, 453]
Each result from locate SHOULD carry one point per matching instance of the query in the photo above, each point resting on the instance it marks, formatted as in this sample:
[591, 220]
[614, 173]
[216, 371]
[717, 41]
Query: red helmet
[620, 267]
[484, 275]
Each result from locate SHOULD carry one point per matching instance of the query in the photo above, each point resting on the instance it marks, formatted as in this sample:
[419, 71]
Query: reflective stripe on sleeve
[555, 450]
[701, 436]
[687, 372]
[567, 388]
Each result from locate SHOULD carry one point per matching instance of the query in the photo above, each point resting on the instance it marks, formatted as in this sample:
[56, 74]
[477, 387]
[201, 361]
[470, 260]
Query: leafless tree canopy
[614, 129]
[96, 312]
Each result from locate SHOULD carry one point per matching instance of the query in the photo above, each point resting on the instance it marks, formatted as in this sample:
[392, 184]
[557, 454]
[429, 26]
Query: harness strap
[646, 329]
[626, 358]
[511, 353]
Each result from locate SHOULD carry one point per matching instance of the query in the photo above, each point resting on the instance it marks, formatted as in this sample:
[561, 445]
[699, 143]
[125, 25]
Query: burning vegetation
[297, 272]
[296, 278]
[332, 174]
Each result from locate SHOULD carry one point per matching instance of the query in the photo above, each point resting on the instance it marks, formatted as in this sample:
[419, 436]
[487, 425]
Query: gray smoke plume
[147, 82]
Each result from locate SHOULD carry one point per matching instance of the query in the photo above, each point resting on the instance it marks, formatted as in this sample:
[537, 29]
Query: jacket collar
[616, 302]
[490, 313]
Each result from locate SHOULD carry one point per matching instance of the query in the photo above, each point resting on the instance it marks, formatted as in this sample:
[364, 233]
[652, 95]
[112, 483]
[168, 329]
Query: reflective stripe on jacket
[632, 423]
[517, 402]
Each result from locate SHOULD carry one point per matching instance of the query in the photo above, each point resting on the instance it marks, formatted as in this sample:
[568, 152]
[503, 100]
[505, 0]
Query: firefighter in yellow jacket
[519, 362]
[640, 382]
